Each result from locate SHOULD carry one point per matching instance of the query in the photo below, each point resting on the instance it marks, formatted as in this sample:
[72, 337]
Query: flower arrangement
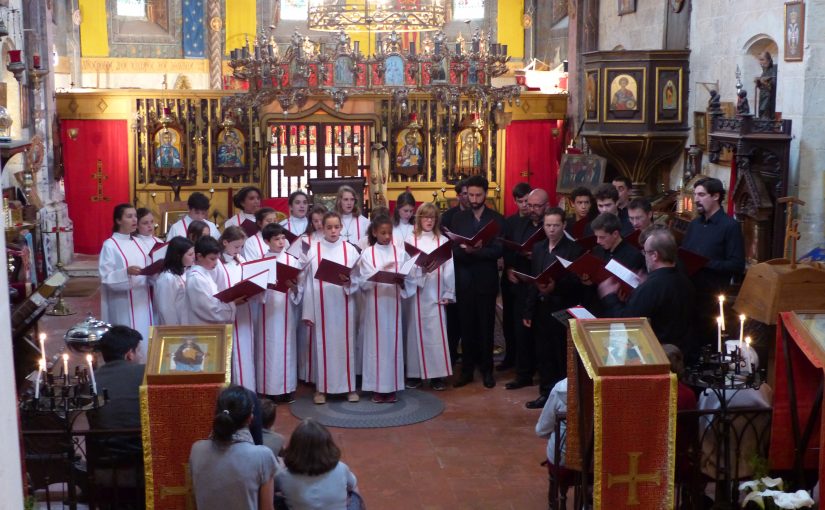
[767, 493]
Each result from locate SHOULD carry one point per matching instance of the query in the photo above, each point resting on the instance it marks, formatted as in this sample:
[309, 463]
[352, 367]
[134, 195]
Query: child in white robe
[145, 234]
[170, 284]
[306, 346]
[402, 225]
[228, 273]
[428, 351]
[198, 210]
[275, 349]
[329, 309]
[247, 201]
[383, 349]
[124, 295]
[255, 247]
[353, 226]
[202, 307]
[297, 222]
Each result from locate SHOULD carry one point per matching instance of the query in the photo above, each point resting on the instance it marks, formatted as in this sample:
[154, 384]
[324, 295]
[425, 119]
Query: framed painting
[168, 150]
[624, 94]
[394, 74]
[794, 30]
[622, 346]
[700, 129]
[343, 72]
[626, 7]
[469, 152]
[580, 170]
[409, 152]
[668, 95]
[591, 95]
[189, 354]
[230, 157]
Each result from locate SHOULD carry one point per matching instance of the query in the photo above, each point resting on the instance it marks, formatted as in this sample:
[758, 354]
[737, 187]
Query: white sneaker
[319, 398]
[353, 396]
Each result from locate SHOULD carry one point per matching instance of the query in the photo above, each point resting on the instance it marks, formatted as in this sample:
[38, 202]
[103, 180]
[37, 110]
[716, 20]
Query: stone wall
[641, 30]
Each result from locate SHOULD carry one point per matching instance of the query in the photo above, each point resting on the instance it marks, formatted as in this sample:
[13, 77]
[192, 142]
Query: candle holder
[37, 76]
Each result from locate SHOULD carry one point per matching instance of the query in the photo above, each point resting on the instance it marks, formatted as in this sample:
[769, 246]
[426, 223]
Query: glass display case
[189, 354]
[621, 346]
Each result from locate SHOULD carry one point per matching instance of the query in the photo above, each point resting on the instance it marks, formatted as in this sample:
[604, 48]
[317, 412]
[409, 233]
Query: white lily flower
[756, 497]
[772, 482]
[798, 499]
[750, 485]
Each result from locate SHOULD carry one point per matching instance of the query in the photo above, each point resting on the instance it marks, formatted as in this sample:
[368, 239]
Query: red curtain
[85, 142]
[532, 155]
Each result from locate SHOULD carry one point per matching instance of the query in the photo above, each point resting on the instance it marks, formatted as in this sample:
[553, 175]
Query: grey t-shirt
[273, 441]
[322, 492]
[230, 475]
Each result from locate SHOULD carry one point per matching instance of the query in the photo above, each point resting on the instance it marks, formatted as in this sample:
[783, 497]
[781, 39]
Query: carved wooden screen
[320, 144]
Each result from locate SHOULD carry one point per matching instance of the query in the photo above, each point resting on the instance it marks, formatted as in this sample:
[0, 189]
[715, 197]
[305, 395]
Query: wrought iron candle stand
[65, 396]
[723, 374]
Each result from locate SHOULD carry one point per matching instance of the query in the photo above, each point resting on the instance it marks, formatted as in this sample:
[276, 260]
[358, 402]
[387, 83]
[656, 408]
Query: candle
[36, 61]
[722, 310]
[741, 329]
[41, 367]
[91, 374]
[14, 56]
[66, 367]
[42, 337]
[748, 353]
[719, 332]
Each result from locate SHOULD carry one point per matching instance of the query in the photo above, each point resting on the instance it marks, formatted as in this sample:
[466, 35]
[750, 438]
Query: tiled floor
[481, 453]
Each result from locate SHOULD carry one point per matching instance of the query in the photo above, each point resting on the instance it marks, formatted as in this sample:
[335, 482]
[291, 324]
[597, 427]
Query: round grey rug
[413, 406]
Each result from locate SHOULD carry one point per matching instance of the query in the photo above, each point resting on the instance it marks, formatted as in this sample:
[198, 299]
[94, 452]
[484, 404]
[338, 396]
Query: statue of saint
[766, 84]
[742, 105]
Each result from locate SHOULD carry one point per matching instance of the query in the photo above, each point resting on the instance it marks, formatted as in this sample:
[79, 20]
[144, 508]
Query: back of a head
[311, 450]
[662, 242]
[268, 412]
[117, 342]
[607, 222]
[207, 245]
[195, 229]
[607, 191]
[460, 185]
[197, 201]
[232, 412]
[676, 358]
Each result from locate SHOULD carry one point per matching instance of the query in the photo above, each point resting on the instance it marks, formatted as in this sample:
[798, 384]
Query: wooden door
[96, 176]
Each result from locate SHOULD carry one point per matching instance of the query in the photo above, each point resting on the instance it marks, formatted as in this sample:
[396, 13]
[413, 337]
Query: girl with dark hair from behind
[315, 478]
[228, 469]
[170, 285]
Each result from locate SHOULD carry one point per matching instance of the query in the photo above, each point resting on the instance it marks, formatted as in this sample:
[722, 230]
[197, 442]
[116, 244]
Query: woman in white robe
[329, 308]
[428, 352]
[247, 201]
[124, 294]
[383, 349]
[170, 285]
[255, 247]
[228, 273]
[275, 353]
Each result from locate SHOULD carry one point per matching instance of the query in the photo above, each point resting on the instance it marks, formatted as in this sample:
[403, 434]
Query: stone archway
[749, 60]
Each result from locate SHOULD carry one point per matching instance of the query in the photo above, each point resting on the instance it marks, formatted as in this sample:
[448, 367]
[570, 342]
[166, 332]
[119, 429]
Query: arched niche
[749, 61]
[12, 91]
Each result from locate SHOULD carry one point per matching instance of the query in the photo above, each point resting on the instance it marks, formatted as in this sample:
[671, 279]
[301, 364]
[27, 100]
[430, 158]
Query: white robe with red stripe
[178, 229]
[228, 273]
[428, 352]
[383, 349]
[255, 247]
[125, 300]
[296, 225]
[202, 307]
[307, 356]
[275, 347]
[169, 294]
[236, 219]
[147, 242]
[331, 308]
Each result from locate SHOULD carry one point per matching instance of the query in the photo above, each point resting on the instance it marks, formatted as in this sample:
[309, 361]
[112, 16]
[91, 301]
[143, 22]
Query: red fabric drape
[531, 148]
[93, 140]
[732, 185]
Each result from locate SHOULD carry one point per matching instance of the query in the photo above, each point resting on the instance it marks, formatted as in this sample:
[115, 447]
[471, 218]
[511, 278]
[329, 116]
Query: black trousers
[525, 343]
[477, 313]
[453, 329]
[550, 338]
[508, 321]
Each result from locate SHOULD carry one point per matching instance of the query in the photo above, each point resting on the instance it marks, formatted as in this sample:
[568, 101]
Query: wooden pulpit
[621, 413]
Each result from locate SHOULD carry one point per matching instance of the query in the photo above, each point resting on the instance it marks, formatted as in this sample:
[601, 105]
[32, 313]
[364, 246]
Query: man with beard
[717, 236]
[476, 283]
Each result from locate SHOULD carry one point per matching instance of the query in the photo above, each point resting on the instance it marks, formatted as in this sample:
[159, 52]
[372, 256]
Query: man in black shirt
[610, 244]
[623, 186]
[640, 213]
[453, 321]
[463, 204]
[666, 297]
[476, 282]
[514, 226]
[549, 335]
[578, 225]
[607, 201]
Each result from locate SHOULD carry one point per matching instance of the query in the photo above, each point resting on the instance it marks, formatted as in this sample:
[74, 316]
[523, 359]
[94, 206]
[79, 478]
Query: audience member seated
[228, 469]
[686, 427]
[272, 439]
[546, 426]
[315, 478]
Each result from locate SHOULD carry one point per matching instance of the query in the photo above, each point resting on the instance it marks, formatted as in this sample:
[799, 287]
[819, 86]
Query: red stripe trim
[260, 246]
[323, 325]
[264, 352]
[397, 303]
[126, 261]
[441, 318]
[286, 337]
[346, 312]
[377, 345]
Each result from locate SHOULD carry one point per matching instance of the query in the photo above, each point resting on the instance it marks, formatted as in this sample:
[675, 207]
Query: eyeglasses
[537, 206]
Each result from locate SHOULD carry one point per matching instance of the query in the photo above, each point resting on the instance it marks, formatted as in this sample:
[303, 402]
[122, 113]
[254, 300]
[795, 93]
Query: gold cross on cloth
[633, 478]
[99, 176]
[185, 491]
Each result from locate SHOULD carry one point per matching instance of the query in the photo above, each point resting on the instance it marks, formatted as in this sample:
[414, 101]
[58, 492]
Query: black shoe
[286, 398]
[413, 382]
[437, 384]
[538, 403]
[489, 381]
[504, 366]
[463, 380]
[518, 383]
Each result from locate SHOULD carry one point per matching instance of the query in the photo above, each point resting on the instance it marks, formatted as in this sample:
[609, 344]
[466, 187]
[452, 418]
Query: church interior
[703, 115]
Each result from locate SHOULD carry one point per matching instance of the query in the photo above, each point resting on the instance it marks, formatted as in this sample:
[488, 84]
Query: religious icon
[409, 156]
[188, 357]
[468, 153]
[794, 30]
[627, 7]
[580, 170]
[439, 71]
[669, 97]
[167, 149]
[189, 354]
[591, 91]
[343, 71]
[230, 148]
[394, 71]
[623, 91]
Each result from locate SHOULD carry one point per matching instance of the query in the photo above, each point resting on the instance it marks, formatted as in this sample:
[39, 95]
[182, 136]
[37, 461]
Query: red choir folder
[392, 277]
[432, 260]
[484, 236]
[692, 261]
[248, 288]
[591, 265]
[284, 273]
[290, 236]
[157, 254]
[249, 227]
[627, 278]
[633, 239]
[331, 272]
[587, 243]
[526, 246]
[553, 272]
[253, 267]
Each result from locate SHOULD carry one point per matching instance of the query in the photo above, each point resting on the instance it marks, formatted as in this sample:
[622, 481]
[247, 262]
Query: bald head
[537, 203]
